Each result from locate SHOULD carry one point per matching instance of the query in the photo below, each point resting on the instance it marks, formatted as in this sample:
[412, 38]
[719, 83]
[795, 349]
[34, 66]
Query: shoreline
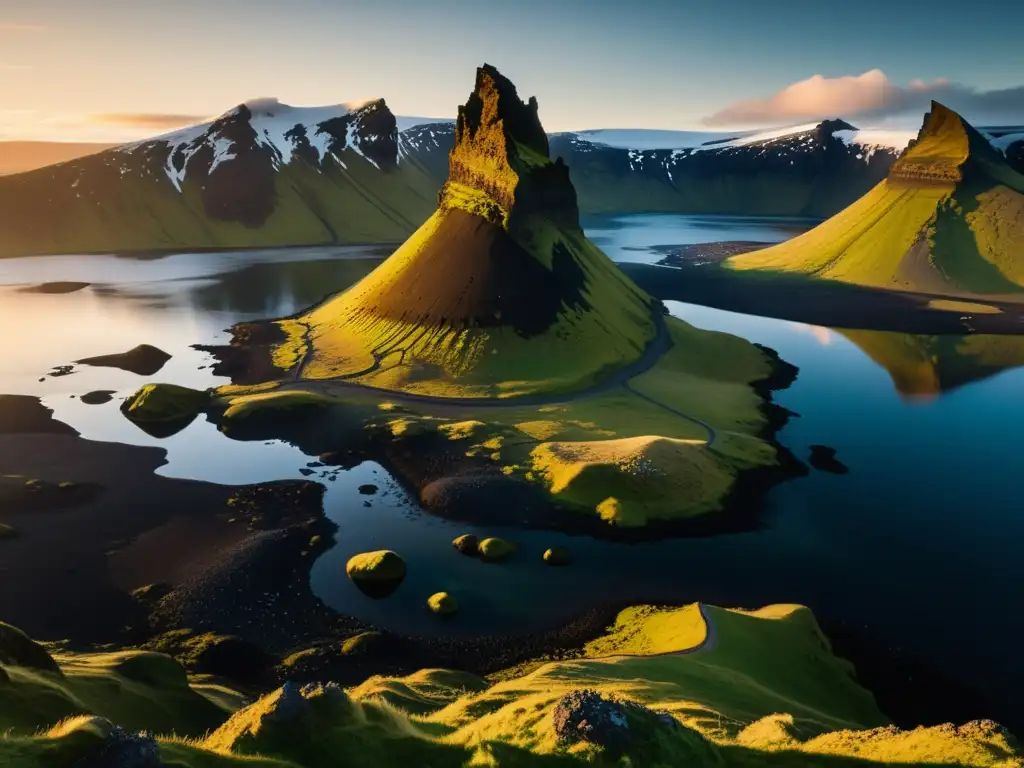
[694, 274]
[255, 585]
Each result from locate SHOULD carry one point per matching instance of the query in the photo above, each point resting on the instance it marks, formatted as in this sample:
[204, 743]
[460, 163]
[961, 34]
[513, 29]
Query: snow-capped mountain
[263, 173]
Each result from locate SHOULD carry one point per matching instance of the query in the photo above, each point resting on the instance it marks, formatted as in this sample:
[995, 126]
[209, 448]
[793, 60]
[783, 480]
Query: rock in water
[494, 550]
[162, 410]
[824, 459]
[145, 360]
[467, 544]
[98, 397]
[557, 556]
[442, 604]
[377, 574]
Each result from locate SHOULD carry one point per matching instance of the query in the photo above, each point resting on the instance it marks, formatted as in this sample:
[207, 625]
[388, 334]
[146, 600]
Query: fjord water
[917, 547]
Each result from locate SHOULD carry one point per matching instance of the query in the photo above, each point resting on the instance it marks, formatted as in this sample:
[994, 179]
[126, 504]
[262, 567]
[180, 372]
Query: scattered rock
[467, 544]
[61, 370]
[123, 749]
[61, 286]
[144, 360]
[557, 556]
[442, 604]
[278, 503]
[495, 550]
[20, 495]
[306, 471]
[368, 489]
[377, 574]
[19, 650]
[824, 459]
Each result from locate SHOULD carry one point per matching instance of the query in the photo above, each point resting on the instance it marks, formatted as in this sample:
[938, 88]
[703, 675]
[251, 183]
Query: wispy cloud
[14, 67]
[870, 95]
[153, 120]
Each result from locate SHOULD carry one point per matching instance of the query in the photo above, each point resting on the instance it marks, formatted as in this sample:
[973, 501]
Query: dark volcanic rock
[145, 360]
[824, 459]
[467, 544]
[55, 287]
[368, 489]
[98, 397]
[585, 716]
[123, 749]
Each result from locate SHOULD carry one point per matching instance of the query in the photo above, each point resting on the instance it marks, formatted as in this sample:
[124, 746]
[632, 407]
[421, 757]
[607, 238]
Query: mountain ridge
[948, 219]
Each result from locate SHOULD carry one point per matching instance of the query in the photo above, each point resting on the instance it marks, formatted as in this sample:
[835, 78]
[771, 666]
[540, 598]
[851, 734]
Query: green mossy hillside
[695, 686]
[949, 220]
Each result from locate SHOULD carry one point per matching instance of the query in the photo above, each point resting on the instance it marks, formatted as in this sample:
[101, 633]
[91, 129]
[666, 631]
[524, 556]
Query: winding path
[655, 349]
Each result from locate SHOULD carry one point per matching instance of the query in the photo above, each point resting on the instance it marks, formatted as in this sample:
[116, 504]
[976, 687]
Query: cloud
[14, 67]
[870, 95]
[148, 120]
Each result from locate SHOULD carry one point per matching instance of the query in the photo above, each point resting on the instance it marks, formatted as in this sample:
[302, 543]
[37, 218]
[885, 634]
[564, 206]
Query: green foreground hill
[948, 220]
[662, 687]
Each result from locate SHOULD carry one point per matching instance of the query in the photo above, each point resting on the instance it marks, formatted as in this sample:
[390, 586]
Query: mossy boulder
[19, 650]
[362, 644]
[467, 544]
[442, 603]
[494, 549]
[163, 409]
[557, 556]
[378, 574]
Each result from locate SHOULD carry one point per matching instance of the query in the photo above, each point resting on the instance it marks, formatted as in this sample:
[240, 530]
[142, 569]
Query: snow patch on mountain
[1003, 142]
[405, 122]
[877, 138]
[650, 139]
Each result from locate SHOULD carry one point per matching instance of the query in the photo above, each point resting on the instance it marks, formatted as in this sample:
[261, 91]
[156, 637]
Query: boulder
[377, 574]
[467, 544]
[557, 556]
[494, 549]
[164, 409]
[442, 604]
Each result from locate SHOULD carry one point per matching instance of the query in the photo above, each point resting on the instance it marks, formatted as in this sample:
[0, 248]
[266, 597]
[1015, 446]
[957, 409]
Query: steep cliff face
[501, 152]
[499, 293]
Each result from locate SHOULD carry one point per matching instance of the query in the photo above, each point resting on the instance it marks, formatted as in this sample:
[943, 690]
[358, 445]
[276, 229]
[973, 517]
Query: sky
[113, 70]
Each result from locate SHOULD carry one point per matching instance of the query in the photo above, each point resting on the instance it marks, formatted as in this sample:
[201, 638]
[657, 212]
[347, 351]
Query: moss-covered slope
[661, 687]
[948, 219]
[499, 293]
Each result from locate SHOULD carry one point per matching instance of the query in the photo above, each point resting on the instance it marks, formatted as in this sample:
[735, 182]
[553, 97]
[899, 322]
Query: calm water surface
[918, 545]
